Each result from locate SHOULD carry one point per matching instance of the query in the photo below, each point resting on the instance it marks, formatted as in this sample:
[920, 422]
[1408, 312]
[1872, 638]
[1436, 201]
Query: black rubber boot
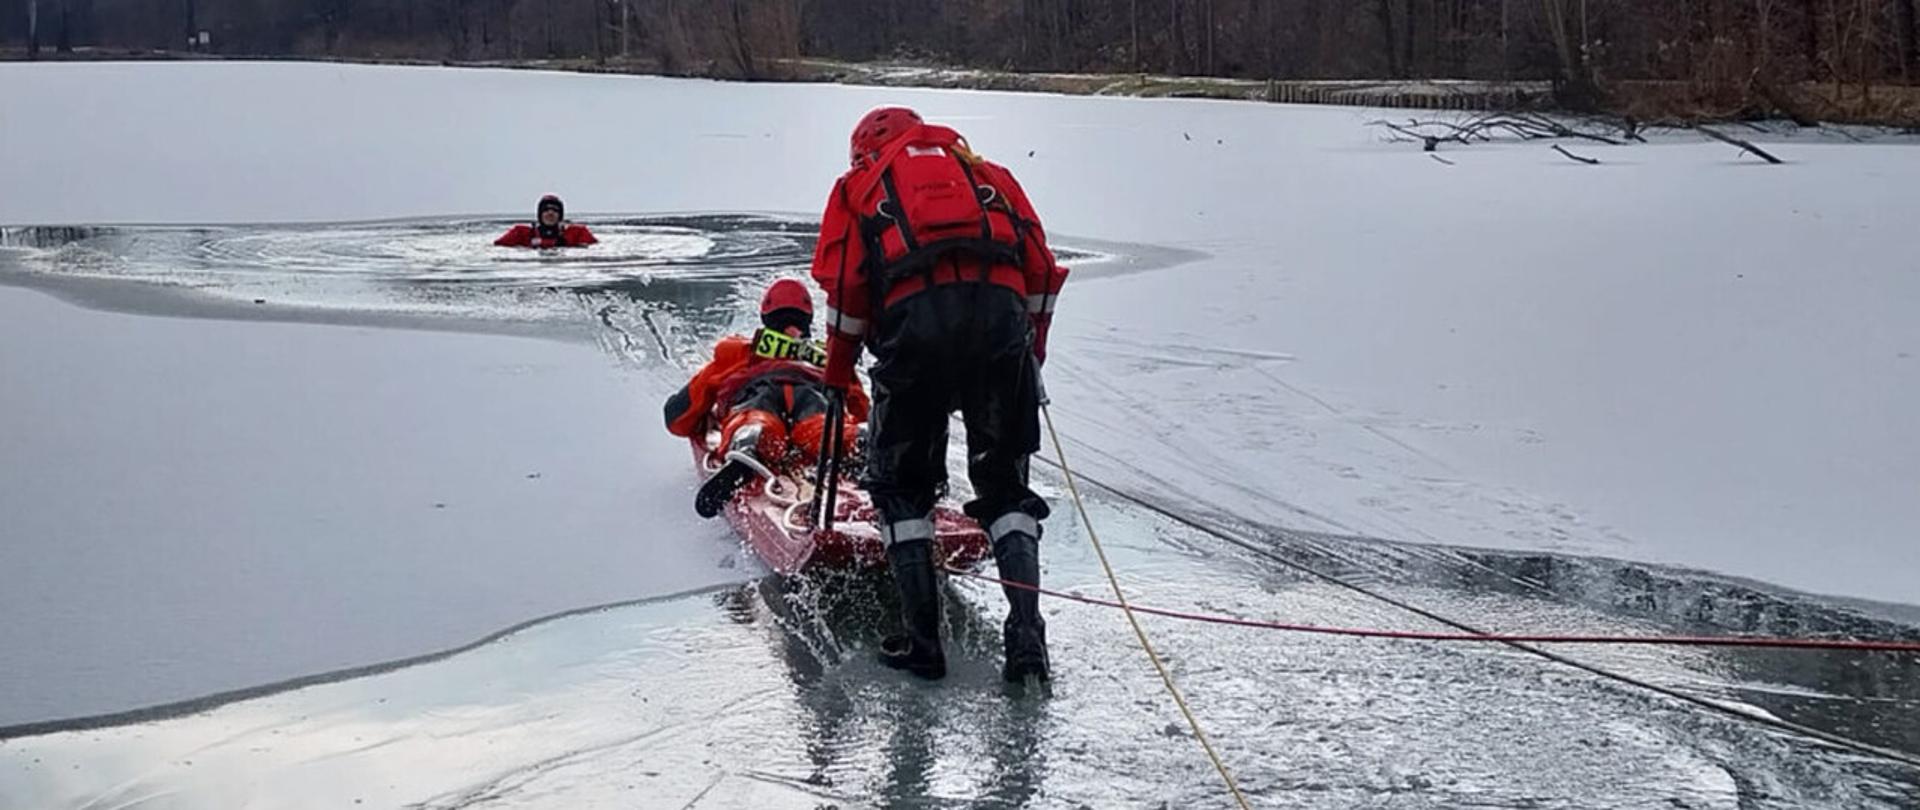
[719, 488]
[1018, 555]
[918, 649]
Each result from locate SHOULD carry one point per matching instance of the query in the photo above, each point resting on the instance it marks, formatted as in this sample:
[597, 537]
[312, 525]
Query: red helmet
[786, 294]
[879, 128]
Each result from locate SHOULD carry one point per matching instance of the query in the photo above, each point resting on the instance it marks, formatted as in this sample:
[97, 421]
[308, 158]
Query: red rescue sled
[771, 515]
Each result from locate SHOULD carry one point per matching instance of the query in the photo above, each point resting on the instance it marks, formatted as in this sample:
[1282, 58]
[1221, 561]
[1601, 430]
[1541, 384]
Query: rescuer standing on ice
[934, 259]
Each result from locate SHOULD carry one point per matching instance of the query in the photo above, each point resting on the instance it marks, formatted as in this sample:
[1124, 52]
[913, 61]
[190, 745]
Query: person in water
[767, 393]
[549, 229]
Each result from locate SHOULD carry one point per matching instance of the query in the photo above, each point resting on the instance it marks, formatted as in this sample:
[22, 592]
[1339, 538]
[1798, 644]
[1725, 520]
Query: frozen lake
[1518, 391]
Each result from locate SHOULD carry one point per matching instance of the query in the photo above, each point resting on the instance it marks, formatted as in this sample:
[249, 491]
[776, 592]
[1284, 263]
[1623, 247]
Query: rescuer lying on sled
[767, 394]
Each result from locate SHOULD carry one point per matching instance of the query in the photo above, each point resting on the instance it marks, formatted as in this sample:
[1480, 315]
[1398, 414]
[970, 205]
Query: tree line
[1750, 47]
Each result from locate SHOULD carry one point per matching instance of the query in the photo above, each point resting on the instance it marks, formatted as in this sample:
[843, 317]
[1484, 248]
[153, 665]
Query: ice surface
[1679, 355]
[193, 505]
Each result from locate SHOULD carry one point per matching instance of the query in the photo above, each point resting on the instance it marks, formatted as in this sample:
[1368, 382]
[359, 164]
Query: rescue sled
[771, 514]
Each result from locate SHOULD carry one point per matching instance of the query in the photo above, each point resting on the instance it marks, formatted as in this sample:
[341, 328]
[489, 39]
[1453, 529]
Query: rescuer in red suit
[933, 258]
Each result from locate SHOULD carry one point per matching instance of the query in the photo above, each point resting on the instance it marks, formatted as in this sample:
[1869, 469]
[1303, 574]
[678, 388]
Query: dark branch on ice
[1485, 127]
[1744, 145]
[1577, 158]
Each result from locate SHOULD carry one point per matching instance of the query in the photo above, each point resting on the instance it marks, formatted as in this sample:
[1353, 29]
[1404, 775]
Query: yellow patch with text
[777, 346]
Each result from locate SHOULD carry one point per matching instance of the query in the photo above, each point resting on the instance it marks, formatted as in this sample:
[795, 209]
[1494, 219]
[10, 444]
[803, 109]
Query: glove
[1040, 325]
[841, 352]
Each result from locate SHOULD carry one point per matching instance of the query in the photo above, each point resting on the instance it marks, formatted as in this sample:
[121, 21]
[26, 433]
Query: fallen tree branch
[1560, 130]
[1523, 126]
[1842, 132]
[1461, 132]
[1746, 146]
[1441, 159]
[1577, 158]
[1428, 141]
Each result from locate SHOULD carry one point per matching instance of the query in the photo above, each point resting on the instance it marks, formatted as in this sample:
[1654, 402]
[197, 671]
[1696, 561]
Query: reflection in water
[821, 622]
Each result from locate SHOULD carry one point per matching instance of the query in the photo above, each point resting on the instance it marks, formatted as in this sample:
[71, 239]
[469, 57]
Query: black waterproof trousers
[969, 347]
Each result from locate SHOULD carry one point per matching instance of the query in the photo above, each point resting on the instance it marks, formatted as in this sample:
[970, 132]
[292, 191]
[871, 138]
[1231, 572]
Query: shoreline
[1651, 99]
[1432, 94]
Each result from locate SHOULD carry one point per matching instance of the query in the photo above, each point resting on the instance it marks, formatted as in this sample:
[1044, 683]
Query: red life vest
[920, 201]
[544, 242]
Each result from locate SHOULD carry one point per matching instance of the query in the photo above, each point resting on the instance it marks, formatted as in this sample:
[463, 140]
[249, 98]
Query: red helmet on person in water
[879, 128]
[787, 303]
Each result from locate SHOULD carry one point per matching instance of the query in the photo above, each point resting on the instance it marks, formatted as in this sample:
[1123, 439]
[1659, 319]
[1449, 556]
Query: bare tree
[1409, 21]
[1577, 88]
[1506, 45]
[740, 39]
[626, 28]
[1270, 37]
[335, 17]
[1133, 26]
[1763, 32]
[1810, 36]
[1904, 36]
[670, 43]
[1176, 42]
[1207, 20]
[1389, 40]
[1867, 45]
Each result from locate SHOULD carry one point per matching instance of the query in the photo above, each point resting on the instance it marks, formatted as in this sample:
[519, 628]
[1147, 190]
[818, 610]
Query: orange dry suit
[771, 380]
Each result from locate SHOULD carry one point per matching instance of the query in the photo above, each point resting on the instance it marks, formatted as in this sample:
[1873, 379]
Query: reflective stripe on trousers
[906, 531]
[1014, 523]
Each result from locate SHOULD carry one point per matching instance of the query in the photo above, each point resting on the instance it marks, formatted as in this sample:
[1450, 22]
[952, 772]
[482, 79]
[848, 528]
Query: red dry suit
[566, 234]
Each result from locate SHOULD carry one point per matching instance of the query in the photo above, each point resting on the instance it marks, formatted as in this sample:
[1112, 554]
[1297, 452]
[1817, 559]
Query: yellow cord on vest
[1165, 676]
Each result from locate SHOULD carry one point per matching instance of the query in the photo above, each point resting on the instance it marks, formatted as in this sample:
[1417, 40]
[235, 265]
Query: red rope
[1419, 635]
